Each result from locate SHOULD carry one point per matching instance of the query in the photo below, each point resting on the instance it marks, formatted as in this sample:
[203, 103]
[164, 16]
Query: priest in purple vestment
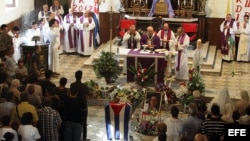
[228, 29]
[170, 9]
[150, 38]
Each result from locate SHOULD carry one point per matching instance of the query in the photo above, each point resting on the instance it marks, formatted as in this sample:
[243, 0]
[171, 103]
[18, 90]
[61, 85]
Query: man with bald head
[131, 38]
[199, 137]
[70, 34]
[181, 44]
[150, 38]
[166, 35]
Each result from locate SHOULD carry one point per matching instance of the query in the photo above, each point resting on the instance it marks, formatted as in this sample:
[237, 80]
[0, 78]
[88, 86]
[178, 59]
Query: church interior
[200, 19]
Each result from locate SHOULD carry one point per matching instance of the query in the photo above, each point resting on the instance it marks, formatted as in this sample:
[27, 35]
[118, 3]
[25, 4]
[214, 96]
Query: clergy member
[150, 38]
[85, 25]
[54, 47]
[228, 29]
[32, 32]
[182, 42]
[56, 7]
[44, 12]
[170, 9]
[70, 32]
[166, 35]
[244, 43]
[131, 38]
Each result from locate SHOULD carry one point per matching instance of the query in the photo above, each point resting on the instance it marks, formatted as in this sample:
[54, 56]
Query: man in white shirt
[32, 32]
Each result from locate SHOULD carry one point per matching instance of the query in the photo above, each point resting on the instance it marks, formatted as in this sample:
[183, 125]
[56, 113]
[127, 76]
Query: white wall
[10, 14]
[217, 8]
[106, 6]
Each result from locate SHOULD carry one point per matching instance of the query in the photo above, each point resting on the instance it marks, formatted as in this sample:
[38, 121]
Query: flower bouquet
[147, 127]
[143, 75]
[195, 82]
[169, 55]
[93, 88]
[182, 94]
[170, 96]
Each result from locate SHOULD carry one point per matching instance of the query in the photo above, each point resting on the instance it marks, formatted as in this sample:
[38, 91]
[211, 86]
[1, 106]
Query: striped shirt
[213, 128]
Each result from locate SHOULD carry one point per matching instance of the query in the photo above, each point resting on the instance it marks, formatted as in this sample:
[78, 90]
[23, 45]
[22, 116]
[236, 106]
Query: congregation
[33, 108]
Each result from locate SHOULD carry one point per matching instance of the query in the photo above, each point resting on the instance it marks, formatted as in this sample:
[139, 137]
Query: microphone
[132, 41]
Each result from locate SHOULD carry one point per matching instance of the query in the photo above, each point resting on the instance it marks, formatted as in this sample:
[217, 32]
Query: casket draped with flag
[117, 116]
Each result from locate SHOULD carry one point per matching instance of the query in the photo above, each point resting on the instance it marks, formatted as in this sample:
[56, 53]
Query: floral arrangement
[195, 81]
[147, 127]
[170, 94]
[169, 54]
[182, 94]
[93, 88]
[128, 93]
[143, 75]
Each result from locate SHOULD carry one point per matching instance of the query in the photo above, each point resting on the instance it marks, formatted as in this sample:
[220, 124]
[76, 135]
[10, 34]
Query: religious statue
[202, 6]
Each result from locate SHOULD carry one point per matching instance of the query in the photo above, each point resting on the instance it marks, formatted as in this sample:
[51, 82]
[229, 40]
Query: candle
[134, 1]
[146, 1]
[184, 2]
[140, 1]
[178, 2]
[191, 2]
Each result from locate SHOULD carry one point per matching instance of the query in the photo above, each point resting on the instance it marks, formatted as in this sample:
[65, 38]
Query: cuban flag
[117, 118]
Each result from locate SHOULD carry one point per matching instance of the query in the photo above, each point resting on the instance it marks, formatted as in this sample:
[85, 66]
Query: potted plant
[107, 66]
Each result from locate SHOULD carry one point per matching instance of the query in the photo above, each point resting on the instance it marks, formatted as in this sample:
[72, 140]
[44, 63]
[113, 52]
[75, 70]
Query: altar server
[70, 35]
[182, 42]
[166, 35]
[228, 29]
[32, 32]
[54, 47]
[244, 43]
[85, 25]
[150, 38]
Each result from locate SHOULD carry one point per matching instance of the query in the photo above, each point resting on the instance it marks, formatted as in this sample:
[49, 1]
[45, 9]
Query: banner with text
[84, 5]
[241, 8]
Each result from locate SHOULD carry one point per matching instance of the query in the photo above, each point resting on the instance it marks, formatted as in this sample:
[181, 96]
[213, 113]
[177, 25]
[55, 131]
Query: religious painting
[10, 3]
[153, 101]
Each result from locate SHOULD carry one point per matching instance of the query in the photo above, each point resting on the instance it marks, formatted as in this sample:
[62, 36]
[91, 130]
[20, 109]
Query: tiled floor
[96, 126]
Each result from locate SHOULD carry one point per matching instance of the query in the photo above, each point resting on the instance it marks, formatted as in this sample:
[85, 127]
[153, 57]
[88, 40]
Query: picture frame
[153, 101]
[10, 3]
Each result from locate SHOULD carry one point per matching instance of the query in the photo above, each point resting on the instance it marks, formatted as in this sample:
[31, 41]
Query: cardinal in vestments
[228, 29]
[166, 34]
[244, 43]
[182, 42]
[70, 34]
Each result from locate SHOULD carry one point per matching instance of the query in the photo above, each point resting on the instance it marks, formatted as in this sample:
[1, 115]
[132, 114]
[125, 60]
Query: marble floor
[96, 126]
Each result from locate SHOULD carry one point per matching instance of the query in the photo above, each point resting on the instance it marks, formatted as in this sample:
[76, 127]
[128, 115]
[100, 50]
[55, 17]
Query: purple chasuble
[224, 49]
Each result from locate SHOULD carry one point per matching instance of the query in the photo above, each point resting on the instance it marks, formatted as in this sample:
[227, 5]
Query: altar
[145, 58]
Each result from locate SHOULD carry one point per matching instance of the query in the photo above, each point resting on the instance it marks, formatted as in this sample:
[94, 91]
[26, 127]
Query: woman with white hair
[221, 100]
[242, 103]
[228, 115]
[15, 84]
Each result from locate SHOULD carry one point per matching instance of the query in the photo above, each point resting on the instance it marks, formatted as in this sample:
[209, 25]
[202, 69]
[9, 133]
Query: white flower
[134, 90]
